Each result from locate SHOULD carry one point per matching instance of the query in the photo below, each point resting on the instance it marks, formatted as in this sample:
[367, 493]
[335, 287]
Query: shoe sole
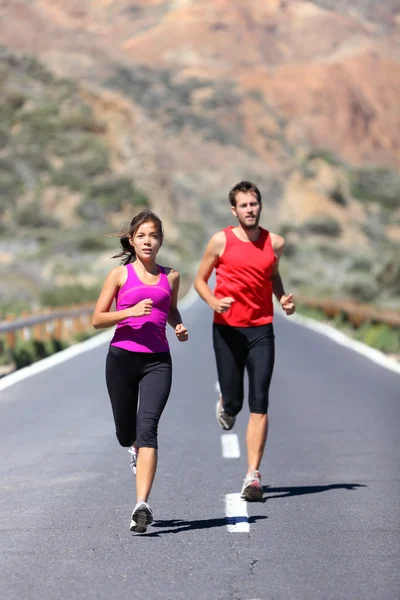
[252, 493]
[140, 520]
[220, 420]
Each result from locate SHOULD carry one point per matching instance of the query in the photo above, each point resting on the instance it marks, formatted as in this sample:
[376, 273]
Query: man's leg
[256, 437]
[230, 355]
[260, 364]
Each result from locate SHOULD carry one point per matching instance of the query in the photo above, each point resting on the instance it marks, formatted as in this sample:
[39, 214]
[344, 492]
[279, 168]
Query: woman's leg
[122, 378]
[155, 387]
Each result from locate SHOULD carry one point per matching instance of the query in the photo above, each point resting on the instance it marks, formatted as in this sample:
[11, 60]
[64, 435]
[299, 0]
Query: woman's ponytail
[128, 253]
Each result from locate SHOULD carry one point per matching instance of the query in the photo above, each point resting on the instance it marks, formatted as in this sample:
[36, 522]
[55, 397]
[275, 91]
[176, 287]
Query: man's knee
[232, 403]
[259, 404]
[125, 438]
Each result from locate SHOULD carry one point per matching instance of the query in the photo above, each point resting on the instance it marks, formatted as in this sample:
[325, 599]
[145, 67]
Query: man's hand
[181, 332]
[287, 304]
[221, 305]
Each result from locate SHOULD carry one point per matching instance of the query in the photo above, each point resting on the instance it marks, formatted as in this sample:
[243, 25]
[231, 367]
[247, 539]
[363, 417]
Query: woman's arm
[102, 317]
[174, 316]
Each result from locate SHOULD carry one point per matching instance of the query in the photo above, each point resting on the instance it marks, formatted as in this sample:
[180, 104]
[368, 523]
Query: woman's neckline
[149, 284]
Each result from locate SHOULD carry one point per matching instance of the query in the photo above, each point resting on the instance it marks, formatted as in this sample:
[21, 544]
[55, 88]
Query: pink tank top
[146, 333]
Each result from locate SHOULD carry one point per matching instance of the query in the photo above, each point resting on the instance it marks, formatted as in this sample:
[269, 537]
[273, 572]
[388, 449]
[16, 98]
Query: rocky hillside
[190, 96]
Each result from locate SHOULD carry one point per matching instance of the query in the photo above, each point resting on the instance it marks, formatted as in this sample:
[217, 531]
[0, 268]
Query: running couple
[246, 260]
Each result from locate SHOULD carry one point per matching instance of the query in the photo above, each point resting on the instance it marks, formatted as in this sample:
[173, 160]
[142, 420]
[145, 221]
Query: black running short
[240, 348]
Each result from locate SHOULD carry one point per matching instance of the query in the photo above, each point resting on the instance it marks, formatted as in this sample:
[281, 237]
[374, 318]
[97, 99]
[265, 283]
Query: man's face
[247, 210]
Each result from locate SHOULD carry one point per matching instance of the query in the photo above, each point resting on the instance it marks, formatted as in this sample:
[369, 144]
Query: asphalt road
[328, 527]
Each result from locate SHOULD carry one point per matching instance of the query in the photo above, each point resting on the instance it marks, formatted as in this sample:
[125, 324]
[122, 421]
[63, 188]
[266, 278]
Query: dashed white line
[230, 445]
[236, 512]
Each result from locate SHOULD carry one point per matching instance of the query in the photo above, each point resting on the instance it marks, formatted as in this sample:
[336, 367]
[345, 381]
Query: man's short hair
[246, 187]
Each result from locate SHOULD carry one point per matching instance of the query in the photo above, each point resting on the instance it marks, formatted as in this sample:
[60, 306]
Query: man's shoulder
[217, 242]
[277, 241]
[219, 235]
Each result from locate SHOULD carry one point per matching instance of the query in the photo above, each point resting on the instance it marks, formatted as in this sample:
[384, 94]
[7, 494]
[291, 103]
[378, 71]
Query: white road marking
[236, 512]
[230, 445]
[55, 359]
[340, 338]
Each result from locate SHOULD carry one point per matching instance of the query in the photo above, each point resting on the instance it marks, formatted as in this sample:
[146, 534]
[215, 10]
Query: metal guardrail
[356, 313]
[16, 324]
[69, 321]
[58, 324]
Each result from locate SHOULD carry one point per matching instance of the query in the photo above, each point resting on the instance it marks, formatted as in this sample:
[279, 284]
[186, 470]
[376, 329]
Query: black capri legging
[127, 375]
[237, 348]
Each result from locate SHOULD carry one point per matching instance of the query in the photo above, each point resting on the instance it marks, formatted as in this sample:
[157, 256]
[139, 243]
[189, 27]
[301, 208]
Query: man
[246, 259]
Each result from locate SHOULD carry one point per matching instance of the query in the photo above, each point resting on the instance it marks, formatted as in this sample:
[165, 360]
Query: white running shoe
[223, 419]
[133, 452]
[252, 488]
[142, 516]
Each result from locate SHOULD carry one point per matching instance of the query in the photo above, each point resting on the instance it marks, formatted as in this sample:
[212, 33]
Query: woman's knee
[147, 434]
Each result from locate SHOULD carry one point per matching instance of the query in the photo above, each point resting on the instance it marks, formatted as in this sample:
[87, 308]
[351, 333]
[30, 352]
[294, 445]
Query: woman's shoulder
[171, 273]
[117, 274]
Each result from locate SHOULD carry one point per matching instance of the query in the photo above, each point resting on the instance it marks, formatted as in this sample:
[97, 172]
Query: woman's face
[146, 241]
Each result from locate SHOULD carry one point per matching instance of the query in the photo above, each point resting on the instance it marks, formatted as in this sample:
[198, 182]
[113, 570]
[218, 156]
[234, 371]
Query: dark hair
[247, 188]
[128, 253]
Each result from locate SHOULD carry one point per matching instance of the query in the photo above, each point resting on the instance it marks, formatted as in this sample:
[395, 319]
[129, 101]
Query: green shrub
[86, 335]
[311, 312]
[92, 243]
[380, 336]
[5, 355]
[376, 185]
[31, 215]
[325, 155]
[25, 353]
[52, 346]
[323, 225]
[69, 294]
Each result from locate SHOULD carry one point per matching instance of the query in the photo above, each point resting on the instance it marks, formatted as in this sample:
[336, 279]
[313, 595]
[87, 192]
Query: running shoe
[133, 452]
[224, 420]
[142, 516]
[252, 489]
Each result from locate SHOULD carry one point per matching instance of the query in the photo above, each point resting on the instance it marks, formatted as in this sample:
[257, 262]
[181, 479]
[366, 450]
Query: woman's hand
[141, 308]
[181, 332]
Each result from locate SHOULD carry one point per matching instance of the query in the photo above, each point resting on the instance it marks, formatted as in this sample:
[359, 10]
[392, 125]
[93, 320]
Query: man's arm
[214, 250]
[278, 245]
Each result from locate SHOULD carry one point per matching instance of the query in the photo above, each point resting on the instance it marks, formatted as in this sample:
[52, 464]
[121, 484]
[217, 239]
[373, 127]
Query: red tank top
[244, 272]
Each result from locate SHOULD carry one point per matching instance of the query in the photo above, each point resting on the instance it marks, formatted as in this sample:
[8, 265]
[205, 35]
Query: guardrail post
[11, 336]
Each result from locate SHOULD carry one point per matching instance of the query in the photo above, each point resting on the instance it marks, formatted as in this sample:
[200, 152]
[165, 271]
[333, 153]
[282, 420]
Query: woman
[138, 359]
